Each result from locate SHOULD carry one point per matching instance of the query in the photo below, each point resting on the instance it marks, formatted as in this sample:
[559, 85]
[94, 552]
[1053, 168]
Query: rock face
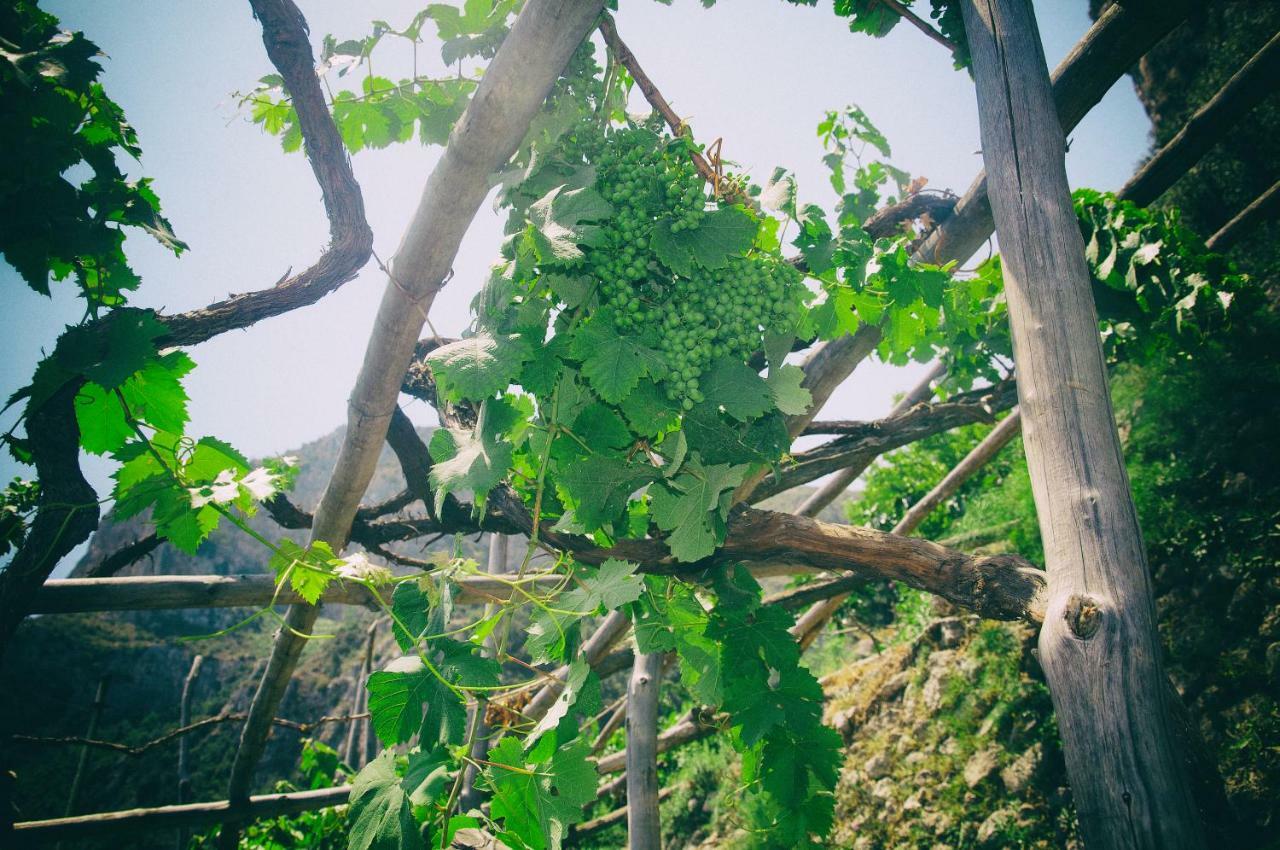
[943, 731]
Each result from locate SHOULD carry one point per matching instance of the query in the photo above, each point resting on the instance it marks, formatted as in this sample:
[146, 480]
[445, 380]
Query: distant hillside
[146, 655]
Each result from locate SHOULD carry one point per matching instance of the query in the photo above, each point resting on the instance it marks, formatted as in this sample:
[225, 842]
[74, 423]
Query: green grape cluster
[698, 318]
[723, 313]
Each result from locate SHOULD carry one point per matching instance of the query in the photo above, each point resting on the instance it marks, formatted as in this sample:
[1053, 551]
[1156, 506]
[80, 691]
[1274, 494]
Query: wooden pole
[1263, 207]
[95, 714]
[515, 86]
[980, 456]
[499, 549]
[184, 719]
[644, 825]
[1098, 646]
[1212, 122]
[190, 816]
[840, 481]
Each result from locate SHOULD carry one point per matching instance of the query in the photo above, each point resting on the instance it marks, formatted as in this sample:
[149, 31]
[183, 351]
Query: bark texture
[1098, 645]
[644, 826]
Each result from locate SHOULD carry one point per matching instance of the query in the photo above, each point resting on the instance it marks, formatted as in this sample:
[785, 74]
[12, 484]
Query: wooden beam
[514, 87]
[833, 488]
[980, 456]
[1098, 646]
[191, 815]
[1210, 124]
[151, 593]
[1261, 209]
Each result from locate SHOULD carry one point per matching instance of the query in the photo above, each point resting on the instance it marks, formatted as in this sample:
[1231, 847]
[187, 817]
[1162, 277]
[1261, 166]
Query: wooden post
[1098, 646]
[184, 718]
[499, 547]
[95, 713]
[644, 826]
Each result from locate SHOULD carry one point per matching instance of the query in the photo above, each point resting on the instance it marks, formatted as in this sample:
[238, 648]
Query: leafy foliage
[61, 134]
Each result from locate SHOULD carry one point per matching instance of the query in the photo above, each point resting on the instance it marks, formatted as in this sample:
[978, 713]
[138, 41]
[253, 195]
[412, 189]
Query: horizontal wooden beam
[149, 593]
[189, 815]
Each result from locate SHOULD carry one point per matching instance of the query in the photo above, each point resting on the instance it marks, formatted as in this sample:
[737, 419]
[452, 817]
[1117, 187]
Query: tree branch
[284, 33]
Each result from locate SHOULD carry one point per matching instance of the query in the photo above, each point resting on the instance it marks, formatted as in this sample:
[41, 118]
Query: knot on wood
[1083, 616]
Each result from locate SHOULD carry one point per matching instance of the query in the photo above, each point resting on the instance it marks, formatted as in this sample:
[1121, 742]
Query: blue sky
[756, 73]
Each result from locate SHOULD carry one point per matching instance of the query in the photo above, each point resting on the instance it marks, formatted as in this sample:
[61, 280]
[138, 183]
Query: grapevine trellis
[646, 309]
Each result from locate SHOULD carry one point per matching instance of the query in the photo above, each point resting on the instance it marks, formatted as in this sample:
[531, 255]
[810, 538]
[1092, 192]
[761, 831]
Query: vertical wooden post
[184, 719]
[499, 546]
[1098, 646]
[95, 713]
[368, 744]
[644, 826]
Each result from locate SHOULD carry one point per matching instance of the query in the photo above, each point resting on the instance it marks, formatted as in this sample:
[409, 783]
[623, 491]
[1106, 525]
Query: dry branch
[979, 457]
[831, 490]
[863, 442]
[135, 750]
[149, 593]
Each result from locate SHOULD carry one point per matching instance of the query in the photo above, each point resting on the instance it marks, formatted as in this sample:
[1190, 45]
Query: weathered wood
[834, 487]
[980, 456]
[1098, 646]
[184, 719]
[190, 816]
[1210, 124]
[515, 85]
[95, 715]
[644, 824]
[867, 441]
[1123, 33]
[616, 816]
[1263, 208]
[151, 593]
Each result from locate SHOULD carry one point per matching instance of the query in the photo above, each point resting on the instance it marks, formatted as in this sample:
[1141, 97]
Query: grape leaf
[613, 585]
[789, 396]
[735, 387]
[478, 367]
[397, 696]
[464, 461]
[558, 227]
[380, 814]
[690, 509]
[599, 486]
[539, 801]
[724, 233]
[613, 364]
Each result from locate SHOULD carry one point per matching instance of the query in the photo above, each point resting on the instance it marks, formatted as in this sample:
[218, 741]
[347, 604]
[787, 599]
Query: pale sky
[757, 73]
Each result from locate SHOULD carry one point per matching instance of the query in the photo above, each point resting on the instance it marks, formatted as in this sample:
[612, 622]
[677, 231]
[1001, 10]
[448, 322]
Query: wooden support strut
[1099, 647]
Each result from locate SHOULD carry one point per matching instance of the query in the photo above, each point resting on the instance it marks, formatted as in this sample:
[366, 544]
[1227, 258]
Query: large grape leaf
[380, 814]
[397, 696]
[689, 507]
[737, 389]
[558, 222]
[539, 796]
[465, 461]
[724, 233]
[612, 363]
[479, 366]
[788, 394]
[598, 486]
